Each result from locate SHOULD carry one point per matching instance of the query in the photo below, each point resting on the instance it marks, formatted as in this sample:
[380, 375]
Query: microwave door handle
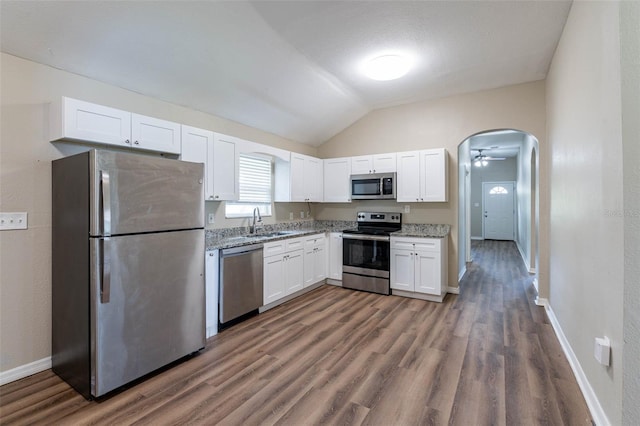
[381, 187]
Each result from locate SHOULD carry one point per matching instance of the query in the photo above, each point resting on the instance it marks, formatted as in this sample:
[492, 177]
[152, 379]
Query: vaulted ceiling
[292, 68]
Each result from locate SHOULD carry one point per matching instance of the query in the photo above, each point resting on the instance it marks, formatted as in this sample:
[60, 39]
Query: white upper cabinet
[154, 134]
[423, 176]
[225, 158]
[80, 121]
[299, 179]
[336, 180]
[434, 169]
[378, 163]
[196, 144]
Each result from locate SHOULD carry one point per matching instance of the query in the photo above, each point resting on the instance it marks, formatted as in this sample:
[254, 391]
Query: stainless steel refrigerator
[128, 291]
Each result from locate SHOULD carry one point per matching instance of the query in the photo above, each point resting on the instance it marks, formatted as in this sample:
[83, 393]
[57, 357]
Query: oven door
[366, 254]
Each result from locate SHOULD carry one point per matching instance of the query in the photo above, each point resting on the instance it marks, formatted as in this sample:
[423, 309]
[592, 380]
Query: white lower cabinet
[211, 291]
[283, 269]
[335, 256]
[419, 267]
[315, 259]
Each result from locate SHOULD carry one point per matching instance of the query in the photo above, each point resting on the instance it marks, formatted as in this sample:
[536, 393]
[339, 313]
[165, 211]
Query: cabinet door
[313, 179]
[298, 184]
[309, 265]
[154, 134]
[336, 180]
[274, 278]
[427, 272]
[294, 270]
[408, 185]
[211, 291]
[335, 256]
[320, 263]
[195, 145]
[224, 158]
[361, 165]
[384, 163]
[402, 270]
[433, 177]
[89, 122]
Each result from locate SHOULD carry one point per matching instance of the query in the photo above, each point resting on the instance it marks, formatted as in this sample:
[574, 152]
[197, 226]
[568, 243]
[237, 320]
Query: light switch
[602, 350]
[16, 220]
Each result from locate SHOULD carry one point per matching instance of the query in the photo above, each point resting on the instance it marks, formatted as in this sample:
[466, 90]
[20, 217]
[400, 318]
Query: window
[498, 190]
[254, 187]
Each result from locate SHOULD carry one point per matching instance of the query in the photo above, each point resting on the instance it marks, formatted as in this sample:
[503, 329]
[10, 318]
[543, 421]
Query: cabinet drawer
[276, 247]
[314, 241]
[418, 244]
[294, 244]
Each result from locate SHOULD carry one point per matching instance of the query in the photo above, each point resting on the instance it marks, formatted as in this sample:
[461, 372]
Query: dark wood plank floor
[336, 356]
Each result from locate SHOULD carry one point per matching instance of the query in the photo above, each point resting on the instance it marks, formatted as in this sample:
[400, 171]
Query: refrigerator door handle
[105, 282]
[106, 202]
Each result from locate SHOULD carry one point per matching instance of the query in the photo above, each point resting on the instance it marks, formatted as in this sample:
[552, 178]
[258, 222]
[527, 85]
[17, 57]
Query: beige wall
[586, 229]
[25, 158]
[444, 123]
[630, 64]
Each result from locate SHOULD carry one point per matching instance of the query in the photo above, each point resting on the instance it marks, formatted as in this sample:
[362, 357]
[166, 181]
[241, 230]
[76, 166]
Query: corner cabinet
[219, 155]
[300, 179]
[419, 267]
[337, 172]
[335, 256]
[423, 176]
[80, 121]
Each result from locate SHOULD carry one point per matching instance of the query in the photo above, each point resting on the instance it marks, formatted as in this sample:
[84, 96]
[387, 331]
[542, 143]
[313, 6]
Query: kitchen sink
[276, 234]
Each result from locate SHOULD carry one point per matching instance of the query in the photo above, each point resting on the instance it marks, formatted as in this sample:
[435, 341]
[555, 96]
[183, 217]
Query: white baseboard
[453, 290]
[461, 274]
[598, 414]
[535, 285]
[524, 258]
[25, 370]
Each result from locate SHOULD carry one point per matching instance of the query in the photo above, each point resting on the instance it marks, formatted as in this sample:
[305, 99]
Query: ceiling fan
[482, 160]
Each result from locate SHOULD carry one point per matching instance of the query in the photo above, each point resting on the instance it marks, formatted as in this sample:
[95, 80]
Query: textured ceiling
[289, 68]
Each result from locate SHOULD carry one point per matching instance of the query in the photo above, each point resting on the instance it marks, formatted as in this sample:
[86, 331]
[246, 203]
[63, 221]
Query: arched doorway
[480, 151]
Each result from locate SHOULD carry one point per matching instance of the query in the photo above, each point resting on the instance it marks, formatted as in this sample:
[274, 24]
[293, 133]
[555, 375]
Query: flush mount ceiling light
[386, 67]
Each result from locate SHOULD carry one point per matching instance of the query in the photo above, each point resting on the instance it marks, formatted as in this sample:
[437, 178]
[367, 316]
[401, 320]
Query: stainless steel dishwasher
[240, 283]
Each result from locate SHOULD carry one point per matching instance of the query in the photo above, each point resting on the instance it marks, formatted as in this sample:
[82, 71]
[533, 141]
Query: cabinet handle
[136, 143]
[127, 141]
[369, 171]
[210, 196]
[417, 199]
[217, 196]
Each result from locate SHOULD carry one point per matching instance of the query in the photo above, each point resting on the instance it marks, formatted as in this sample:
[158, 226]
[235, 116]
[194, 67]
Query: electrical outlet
[301, 215]
[212, 218]
[407, 209]
[16, 220]
[290, 215]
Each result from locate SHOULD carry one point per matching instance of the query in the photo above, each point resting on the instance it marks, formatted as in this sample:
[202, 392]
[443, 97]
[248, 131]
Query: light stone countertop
[237, 237]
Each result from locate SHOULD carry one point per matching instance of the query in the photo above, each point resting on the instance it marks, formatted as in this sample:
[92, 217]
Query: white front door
[498, 220]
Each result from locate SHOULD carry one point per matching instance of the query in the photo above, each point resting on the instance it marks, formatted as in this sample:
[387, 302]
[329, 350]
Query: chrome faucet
[252, 227]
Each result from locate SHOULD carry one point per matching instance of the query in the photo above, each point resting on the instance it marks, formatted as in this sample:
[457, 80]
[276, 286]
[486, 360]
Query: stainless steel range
[366, 252]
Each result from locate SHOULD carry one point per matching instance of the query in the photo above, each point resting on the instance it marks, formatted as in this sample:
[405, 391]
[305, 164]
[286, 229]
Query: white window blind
[254, 181]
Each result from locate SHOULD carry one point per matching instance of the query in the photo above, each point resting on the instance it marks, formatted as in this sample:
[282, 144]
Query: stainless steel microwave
[376, 186]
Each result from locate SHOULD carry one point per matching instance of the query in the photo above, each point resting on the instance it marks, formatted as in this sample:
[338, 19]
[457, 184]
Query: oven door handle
[365, 237]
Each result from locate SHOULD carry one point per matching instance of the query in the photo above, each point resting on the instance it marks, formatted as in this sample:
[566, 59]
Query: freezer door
[132, 193]
[148, 299]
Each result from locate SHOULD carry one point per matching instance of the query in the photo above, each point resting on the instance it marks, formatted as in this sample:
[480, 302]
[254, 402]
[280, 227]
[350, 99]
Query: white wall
[526, 232]
[464, 220]
[586, 229]
[630, 64]
[440, 123]
[25, 185]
